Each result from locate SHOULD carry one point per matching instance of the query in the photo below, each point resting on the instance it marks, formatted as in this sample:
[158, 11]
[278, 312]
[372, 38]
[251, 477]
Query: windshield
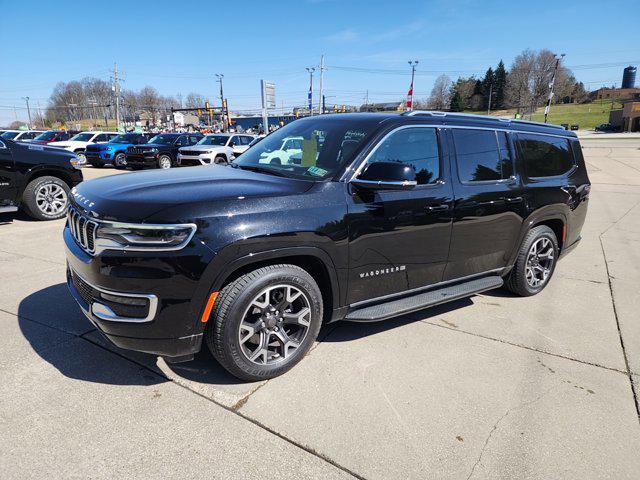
[82, 137]
[214, 140]
[163, 139]
[10, 135]
[46, 136]
[123, 139]
[313, 149]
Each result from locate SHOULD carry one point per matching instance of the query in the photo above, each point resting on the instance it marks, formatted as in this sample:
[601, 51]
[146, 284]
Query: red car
[53, 136]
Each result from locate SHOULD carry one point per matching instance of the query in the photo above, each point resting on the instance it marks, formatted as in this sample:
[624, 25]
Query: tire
[120, 160]
[530, 263]
[46, 198]
[164, 162]
[82, 158]
[220, 160]
[230, 338]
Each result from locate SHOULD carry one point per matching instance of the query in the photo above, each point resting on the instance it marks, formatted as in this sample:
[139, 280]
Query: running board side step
[394, 308]
[8, 208]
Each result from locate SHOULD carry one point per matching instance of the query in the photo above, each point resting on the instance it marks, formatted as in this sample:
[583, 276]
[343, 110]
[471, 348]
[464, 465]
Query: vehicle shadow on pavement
[54, 326]
[347, 331]
[54, 308]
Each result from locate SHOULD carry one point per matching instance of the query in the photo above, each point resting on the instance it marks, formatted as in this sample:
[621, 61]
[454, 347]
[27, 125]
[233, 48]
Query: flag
[410, 96]
[310, 98]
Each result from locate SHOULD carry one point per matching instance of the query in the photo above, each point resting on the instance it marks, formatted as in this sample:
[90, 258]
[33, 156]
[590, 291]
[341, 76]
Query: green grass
[586, 115]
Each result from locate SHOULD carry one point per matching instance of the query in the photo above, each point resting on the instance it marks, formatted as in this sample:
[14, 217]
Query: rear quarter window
[545, 156]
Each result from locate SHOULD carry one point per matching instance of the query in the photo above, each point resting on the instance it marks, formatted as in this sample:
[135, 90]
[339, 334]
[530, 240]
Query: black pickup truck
[37, 179]
[377, 215]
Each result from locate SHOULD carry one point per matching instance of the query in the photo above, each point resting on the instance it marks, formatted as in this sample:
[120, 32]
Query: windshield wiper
[256, 168]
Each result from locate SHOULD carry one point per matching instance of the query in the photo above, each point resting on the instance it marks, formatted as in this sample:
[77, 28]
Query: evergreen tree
[500, 78]
[457, 102]
[488, 83]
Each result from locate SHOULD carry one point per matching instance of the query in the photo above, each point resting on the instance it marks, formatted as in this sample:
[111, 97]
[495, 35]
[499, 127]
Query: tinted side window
[100, 138]
[482, 155]
[414, 146]
[545, 156]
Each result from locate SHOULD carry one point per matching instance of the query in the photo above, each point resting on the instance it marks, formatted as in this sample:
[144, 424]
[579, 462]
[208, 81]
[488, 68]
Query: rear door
[489, 202]
[399, 239]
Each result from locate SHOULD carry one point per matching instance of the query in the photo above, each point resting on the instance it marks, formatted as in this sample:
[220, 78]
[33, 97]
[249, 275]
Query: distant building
[383, 107]
[627, 118]
[181, 119]
[620, 94]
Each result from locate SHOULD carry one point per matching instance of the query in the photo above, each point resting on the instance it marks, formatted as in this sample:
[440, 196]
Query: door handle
[437, 208]
[512, 199]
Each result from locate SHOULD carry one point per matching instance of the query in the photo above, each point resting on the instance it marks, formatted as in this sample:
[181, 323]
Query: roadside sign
[268, 94]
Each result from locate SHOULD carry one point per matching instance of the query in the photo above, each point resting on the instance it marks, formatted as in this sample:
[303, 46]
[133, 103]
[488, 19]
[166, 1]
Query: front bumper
[97, 157]
[191, 160]
[141, 160]
[166, 320]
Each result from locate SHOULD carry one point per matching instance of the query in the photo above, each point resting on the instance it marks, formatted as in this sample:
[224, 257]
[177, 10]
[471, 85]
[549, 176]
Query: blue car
[100, 154]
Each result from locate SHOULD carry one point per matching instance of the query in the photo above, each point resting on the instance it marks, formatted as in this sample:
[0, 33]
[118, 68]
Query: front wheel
[120, 160]
[220, 160]
[264, 322]
[82, 158]
[164, 162]
[536, 262]
[46, 198]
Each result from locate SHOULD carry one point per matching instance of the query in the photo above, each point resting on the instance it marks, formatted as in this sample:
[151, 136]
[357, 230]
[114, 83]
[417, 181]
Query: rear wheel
[164, 162]
[46, 198]
[536, 262]
[264, 322]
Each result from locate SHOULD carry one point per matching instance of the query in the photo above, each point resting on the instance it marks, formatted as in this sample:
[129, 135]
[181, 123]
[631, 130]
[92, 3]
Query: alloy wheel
[275, 324]
[51, 199]
[539, 262]
[165, 163]
[120, 160]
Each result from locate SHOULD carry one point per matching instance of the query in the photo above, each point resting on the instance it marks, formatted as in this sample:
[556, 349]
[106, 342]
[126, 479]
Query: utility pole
[320, 91]
[220, 76]
[311, 70]
[413, 64]
[490, 94]
[40, 114]
[26, 99]
[553, 80]
[116, 90]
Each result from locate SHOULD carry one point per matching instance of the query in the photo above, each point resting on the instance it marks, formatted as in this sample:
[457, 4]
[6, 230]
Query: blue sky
[177, 47]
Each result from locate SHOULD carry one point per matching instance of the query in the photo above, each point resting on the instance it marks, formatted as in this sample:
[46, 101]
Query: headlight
[154, 150]
[75, 162]
[127, 236]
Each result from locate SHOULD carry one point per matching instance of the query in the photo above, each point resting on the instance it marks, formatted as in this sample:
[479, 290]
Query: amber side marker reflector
[209, 307]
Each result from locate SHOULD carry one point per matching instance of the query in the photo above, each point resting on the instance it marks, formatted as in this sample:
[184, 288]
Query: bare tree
[440, 97]
[194, 100]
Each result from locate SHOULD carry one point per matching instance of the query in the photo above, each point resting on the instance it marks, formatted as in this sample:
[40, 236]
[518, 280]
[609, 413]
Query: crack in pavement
[495, 426]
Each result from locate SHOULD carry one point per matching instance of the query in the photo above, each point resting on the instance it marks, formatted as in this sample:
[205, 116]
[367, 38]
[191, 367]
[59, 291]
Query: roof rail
[413, 113]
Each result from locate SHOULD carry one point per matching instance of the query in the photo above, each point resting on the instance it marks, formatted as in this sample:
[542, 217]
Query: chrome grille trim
[82, 229]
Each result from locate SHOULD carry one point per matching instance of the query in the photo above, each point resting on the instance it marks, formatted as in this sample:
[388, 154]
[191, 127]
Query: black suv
[161, 151]
[377, 215]
[36, 178]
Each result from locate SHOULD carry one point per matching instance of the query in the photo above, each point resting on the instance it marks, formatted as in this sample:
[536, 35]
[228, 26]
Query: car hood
[133, 197]
[153, 145]
[202, 148]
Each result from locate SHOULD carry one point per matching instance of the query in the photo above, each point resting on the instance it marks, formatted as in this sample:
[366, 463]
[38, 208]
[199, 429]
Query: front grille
[193, 153]
[83, 229]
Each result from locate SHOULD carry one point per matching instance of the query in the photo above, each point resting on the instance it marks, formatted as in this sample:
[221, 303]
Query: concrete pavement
[490, 387]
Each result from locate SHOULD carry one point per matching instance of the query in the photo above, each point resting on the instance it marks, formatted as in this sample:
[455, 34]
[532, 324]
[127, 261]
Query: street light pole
[490, 95]
[311, 70]
[553, 81]
[320, 89]
[224, 121]
[26, 99]
[413, 64]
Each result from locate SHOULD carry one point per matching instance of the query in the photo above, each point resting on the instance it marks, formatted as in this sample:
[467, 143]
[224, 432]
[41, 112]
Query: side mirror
[386, 176]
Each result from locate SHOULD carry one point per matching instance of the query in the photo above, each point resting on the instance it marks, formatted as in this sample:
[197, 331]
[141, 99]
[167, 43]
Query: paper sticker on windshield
[36, 147]
[317, 171]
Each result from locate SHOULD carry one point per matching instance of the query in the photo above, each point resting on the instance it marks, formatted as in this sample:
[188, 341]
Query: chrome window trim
[358, 170]
[103, 311]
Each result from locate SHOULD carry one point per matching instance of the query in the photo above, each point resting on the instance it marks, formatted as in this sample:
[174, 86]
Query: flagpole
[413, 75]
